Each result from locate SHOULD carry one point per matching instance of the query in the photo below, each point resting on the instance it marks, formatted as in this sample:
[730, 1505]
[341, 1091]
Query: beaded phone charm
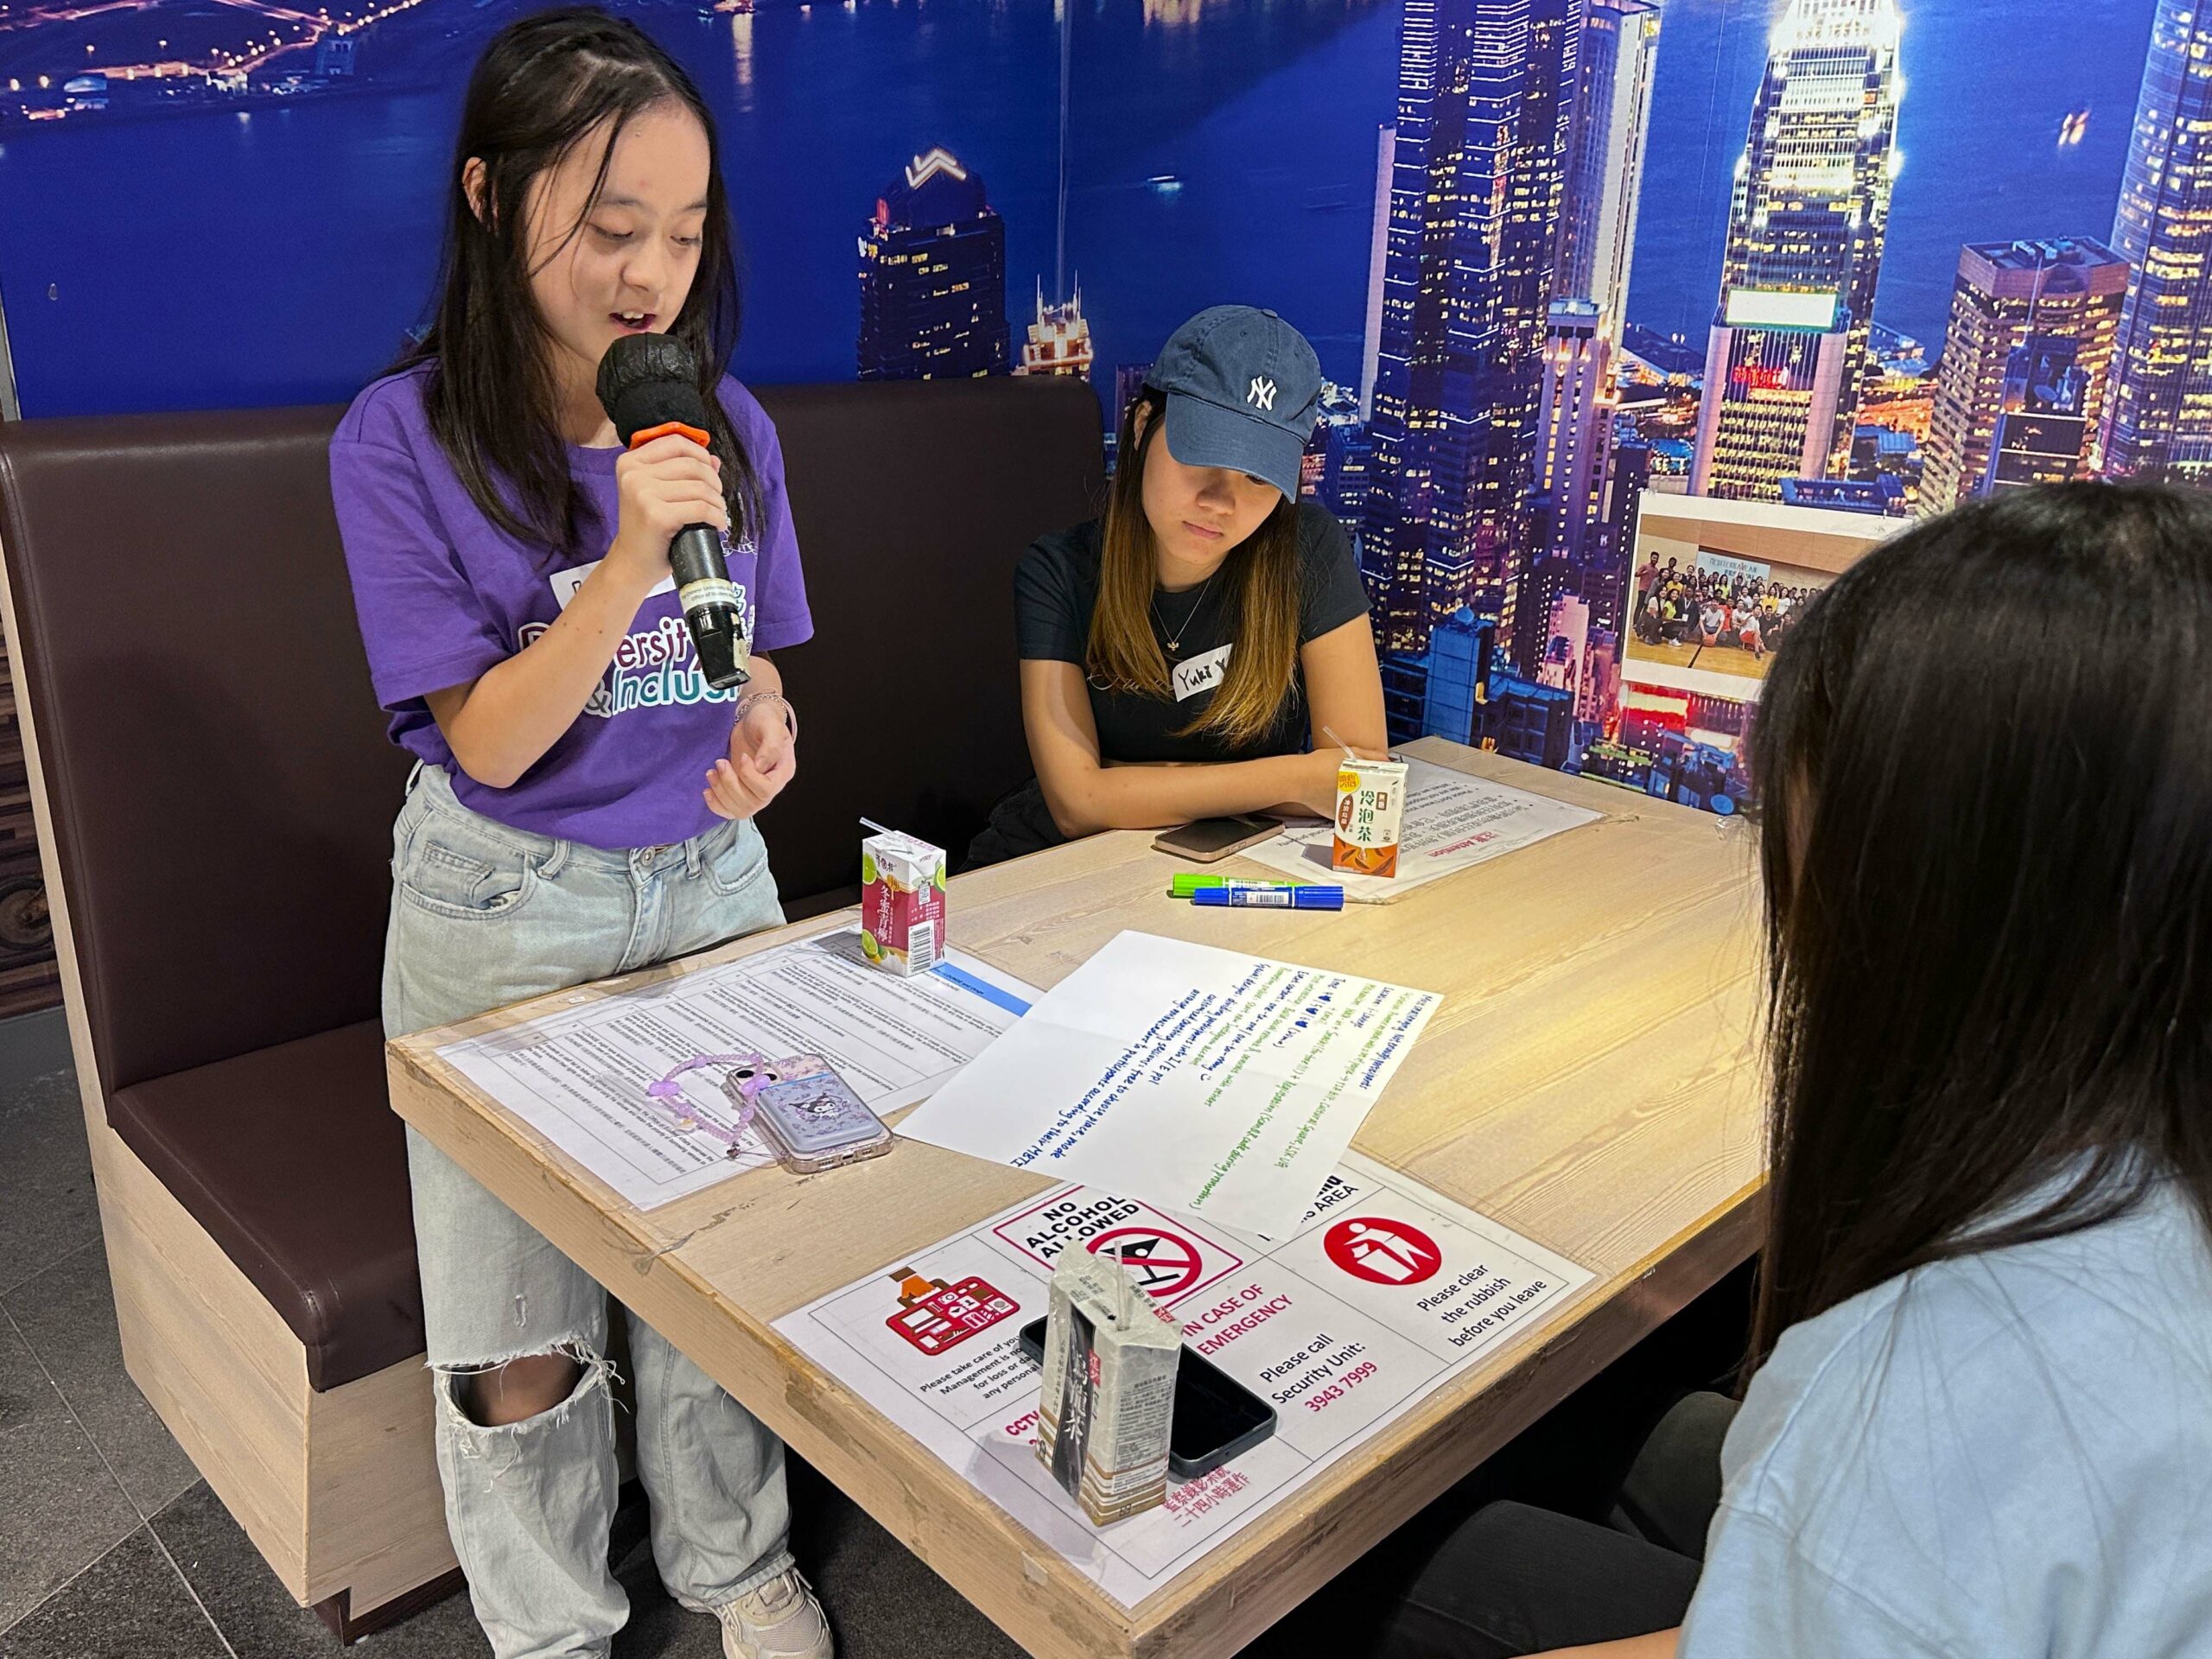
[750, 1072]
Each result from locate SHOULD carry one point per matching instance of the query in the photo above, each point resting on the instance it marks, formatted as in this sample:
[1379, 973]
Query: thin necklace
[1175, 639]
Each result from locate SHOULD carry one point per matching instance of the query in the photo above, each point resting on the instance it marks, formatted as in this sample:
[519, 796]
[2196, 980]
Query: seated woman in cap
[1182, 656]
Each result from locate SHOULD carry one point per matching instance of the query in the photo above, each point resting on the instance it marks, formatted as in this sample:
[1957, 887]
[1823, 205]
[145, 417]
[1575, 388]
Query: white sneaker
[781, 1619]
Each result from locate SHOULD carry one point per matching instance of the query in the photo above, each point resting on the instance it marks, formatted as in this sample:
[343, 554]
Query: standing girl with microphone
[584, 801]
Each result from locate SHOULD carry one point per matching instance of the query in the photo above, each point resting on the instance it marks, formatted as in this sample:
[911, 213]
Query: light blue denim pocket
[451, 868]
[736, 859]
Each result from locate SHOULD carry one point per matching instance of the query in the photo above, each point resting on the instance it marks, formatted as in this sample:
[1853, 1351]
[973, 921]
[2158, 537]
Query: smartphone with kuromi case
[813, 1120]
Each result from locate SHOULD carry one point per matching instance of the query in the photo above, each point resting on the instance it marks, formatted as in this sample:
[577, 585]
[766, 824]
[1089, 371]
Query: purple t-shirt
[443, 595]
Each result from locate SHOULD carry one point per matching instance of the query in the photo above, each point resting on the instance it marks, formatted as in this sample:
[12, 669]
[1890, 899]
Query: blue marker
[1271, 898]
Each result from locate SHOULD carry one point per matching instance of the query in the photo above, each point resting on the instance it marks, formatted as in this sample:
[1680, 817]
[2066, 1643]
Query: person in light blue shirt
[2008, 1453]
[1979, 1420]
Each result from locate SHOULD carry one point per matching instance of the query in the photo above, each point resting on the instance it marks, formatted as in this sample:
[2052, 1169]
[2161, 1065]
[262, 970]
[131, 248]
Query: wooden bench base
[339, 1490]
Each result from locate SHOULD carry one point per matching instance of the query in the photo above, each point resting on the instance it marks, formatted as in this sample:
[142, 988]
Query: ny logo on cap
[1262, 393]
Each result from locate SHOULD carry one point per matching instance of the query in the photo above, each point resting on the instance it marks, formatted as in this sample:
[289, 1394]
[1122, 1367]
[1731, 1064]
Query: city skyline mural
[1846, 259]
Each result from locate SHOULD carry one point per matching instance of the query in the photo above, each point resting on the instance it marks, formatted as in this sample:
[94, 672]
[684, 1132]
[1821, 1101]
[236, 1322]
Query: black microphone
[649, 383]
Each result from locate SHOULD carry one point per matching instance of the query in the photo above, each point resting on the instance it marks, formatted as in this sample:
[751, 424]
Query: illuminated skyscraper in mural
[2158, 416]
[1804, 250]
[1617, 57]
[2068, 288]
[2043, 426]
[1575, 420]
[1477, 167]
[1059, 340]
[933, 268]
[1335, 468]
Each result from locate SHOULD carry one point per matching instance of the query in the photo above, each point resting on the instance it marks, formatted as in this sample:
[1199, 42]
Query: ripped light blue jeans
[481, 916]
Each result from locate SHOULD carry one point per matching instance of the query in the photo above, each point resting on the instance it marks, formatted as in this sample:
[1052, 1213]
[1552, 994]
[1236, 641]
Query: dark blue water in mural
[227, 258]
[1265, 197]
[1217, 148]
[276, 255]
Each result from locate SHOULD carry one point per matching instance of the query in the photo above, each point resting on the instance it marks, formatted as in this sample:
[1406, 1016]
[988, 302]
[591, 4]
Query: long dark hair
[1259, 589]
[544, 85]
[1985, 769]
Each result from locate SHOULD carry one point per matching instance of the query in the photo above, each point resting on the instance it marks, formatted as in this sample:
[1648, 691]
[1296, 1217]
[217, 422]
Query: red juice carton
[902, 902]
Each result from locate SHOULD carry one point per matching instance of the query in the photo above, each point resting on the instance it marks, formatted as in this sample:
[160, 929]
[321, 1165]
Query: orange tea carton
[1370, 805]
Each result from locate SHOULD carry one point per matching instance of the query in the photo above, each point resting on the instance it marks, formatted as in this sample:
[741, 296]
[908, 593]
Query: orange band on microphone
[705, 440]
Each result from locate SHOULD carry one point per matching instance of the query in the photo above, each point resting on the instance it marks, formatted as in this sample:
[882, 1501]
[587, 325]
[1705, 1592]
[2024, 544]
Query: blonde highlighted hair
[1260, 591]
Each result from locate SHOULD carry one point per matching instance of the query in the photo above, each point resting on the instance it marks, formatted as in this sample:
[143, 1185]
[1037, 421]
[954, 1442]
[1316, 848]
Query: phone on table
[1215, 1416]
[810, 1115]
[1206, 841]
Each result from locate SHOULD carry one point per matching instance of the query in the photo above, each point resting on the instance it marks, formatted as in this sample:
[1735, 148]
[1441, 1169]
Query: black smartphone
[1208, 839]
[1215, 1416]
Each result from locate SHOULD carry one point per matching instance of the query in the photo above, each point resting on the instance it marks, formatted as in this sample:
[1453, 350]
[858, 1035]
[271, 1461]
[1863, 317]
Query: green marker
[1188, 882]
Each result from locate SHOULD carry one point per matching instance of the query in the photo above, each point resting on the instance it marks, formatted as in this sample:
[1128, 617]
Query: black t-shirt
[1056, 588]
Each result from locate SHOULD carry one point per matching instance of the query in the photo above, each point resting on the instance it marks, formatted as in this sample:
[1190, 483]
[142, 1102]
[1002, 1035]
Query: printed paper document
[1452, 820]
[578, 1076]
[1199, 1079]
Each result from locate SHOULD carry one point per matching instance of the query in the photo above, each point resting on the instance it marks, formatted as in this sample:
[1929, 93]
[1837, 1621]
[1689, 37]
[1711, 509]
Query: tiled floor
[110, 1544]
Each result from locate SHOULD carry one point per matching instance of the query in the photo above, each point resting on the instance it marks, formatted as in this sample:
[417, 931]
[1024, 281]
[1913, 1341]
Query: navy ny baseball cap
[1244, 390]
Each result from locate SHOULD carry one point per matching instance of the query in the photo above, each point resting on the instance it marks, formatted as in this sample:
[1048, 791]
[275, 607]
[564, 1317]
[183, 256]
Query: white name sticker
[565, 583]
[1200, 673]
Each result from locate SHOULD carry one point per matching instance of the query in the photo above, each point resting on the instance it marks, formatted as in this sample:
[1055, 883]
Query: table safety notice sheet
[1383, 1293]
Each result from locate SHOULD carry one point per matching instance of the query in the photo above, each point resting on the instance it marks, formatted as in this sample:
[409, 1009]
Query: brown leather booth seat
[291, 1158]
[220, 791]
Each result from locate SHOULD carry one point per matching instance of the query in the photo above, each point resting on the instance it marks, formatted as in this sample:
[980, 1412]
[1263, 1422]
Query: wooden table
[1590, 1081]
